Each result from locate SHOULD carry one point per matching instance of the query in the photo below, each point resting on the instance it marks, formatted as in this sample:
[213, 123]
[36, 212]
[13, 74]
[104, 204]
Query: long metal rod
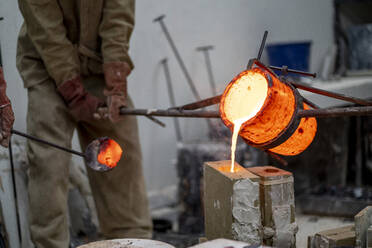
[331, 112]
[178, 56]
[47, 143]
[336, 112]
[304, 73]
[332, 94]
[171, 113]
[160, 123]
[200, 104]
[262, 46]
[15, 194]
[217, 99]
[172, 100]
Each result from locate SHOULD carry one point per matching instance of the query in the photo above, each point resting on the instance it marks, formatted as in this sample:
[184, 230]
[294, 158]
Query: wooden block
[369, 237]
[362, 223]
[231, 203]
[277, 206]
[342, 236]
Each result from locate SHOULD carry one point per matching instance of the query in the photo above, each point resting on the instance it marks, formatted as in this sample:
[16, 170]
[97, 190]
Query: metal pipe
[160, 123]
[200, 104]
[171, 113]
[286, 69]
[171, 98]
[331, 94]
[336, 112]
[262, 46]
[15, 191]
[47, 143]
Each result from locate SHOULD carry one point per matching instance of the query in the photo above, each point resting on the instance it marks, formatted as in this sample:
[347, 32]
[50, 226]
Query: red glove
[82, 105]
[116, 74]
[6, 113]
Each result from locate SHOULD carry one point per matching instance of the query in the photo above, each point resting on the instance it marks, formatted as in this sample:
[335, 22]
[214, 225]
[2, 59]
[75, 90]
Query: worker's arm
[115, 30]
[45, 27]
[6, 113]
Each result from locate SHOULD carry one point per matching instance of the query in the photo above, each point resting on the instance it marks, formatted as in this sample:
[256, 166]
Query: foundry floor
[311, 224]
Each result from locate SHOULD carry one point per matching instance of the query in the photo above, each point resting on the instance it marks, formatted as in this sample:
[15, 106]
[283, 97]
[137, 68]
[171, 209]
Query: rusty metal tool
[200, 104]
[328, 112]
[15, 194]
[90, 155]
[171, 113]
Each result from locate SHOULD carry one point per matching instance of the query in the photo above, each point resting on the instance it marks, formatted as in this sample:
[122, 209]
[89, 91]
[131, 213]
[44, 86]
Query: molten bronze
[103, 154]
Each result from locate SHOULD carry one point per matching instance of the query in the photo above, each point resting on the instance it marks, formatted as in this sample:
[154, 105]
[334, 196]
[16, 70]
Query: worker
[73, 58]
[6, 113]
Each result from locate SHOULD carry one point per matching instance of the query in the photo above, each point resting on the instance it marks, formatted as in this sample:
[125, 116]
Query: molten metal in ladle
[91, 153]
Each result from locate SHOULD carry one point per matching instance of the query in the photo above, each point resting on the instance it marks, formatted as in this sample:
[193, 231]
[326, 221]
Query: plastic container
[295, 55]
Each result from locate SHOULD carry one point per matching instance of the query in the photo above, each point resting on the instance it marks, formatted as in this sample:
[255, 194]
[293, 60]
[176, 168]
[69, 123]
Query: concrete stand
[231, 203]
[277, 206]
[369, 237]
[363, 220]
[333, 238]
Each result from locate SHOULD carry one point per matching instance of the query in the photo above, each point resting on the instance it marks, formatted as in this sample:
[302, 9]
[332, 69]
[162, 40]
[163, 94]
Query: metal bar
[47, 143]
[171, 113]
[171, 98]
[358, 153]
[336, 112]
[304, 73]
[160, 123]
[208, 64]
[15, 191]
[200, 104]
[262, 45]
[178, 56]
[331, 94]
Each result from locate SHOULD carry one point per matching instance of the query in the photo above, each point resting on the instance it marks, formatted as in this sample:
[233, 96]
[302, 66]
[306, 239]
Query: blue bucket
[295, 55]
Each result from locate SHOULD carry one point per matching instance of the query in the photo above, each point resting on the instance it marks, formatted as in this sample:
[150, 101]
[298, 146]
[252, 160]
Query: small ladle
[90, 155]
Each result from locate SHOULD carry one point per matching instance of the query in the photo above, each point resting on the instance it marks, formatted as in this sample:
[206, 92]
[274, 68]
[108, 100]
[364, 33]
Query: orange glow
[110, 153]
[227, 168]
[300, 139]
[266, 106]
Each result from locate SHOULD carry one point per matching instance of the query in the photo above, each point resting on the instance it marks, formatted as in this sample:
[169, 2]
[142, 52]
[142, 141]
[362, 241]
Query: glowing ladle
[245, 98]
[102, 154]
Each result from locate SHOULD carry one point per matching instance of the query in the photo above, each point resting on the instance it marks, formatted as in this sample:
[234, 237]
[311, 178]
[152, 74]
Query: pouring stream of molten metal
[245, 98]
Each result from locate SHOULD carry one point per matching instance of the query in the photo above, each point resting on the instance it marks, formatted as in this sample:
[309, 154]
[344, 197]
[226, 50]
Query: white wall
[235, 29]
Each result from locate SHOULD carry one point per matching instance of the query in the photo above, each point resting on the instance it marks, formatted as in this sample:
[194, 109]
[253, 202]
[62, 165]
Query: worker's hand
[116, 74]
[83, 106]
[6, 113]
